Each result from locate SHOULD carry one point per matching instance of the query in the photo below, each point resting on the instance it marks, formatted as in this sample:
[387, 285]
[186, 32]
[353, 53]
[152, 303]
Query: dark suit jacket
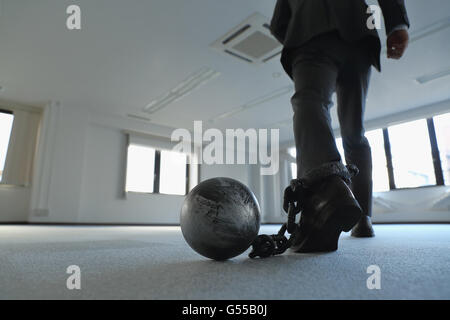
[295, 22]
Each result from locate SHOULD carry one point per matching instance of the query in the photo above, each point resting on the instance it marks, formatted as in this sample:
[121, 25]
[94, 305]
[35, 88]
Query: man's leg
[315, 80]
[352, 86]
[328, 206]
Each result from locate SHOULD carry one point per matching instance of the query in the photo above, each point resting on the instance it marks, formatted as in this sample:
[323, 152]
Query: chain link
[265, 245]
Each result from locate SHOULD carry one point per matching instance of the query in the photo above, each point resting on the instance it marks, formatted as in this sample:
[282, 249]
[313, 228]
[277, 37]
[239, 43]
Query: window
[379, 170]
[6, 122]
[293, 165]
[156, 171]
[173, 173]
[340, 148]
[442, 128]
[380, 176]
[411, 154]
[380, 173]
[140, 169]
[293, 152]
[293, 170]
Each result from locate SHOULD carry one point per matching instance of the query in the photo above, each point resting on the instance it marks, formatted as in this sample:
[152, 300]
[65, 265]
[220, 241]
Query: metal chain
[265, 245]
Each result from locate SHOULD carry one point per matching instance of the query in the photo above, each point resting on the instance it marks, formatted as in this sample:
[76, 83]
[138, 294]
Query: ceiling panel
[129, 53]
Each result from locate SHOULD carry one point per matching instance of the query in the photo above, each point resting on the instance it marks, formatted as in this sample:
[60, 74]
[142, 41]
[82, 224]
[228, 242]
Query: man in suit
[330, 46]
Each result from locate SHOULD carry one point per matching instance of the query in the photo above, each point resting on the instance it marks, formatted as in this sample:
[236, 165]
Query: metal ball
[220, 218]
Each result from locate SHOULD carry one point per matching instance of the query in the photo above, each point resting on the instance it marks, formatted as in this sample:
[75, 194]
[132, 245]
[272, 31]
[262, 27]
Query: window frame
[434, 151]
[6, 111]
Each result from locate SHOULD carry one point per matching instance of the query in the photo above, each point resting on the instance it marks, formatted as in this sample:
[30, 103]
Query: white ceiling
[130, 52]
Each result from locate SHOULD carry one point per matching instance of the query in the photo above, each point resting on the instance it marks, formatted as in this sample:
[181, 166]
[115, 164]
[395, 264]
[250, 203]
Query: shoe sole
[363, 234]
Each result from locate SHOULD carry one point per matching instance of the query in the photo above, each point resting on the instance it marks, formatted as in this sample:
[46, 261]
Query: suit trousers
[324, 65]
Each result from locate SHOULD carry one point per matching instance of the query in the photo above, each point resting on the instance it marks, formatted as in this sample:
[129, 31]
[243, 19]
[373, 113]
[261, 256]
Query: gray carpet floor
[156, 263]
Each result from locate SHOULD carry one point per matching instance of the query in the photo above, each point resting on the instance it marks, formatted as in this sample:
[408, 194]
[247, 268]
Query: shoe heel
[346, 215]
[348, 212]
[350, 216]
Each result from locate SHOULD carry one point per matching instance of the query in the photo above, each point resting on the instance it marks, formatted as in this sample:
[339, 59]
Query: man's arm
[280, 20]
[394, 12]
[397, 24]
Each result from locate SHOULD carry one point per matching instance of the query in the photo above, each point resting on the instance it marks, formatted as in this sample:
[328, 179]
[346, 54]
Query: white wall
[60, 166]
[88, 168]
[14, 203]
[102, 196]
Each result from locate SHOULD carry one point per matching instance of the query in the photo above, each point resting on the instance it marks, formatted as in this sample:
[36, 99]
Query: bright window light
[379, 164]
[340, 148]
[140, 169]
[6, 122]
[380, 173]
[173, 173]
[293, 170]
[293, 165]
[411, 155]
[293, 152]
[442, 127]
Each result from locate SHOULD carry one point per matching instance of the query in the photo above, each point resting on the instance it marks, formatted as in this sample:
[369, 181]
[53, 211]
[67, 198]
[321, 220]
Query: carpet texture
[156, 263]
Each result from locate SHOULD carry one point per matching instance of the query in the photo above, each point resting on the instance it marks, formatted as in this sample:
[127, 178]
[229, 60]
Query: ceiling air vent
[250, 41]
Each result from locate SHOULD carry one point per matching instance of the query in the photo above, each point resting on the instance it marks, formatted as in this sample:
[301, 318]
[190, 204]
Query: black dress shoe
[363, 229]
[330, 208]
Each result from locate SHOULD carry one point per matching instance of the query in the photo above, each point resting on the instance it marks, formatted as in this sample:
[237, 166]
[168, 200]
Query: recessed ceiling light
[433, 76]
[193, 82]
[138, 117]
[255, 102]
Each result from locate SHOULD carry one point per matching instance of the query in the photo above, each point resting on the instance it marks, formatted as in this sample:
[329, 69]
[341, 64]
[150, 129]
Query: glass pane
[293, 152]
[173, 173]
[379, 164]
[140, 169]
[340, 149]
[6, 121]
[411, 154]
[442, 126]
[293, 170]
[292, 165]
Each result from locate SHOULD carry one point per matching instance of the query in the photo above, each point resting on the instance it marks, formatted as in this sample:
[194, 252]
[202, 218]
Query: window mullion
[157, 171]
[435, 153]
[389, 163]
[187, 176]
